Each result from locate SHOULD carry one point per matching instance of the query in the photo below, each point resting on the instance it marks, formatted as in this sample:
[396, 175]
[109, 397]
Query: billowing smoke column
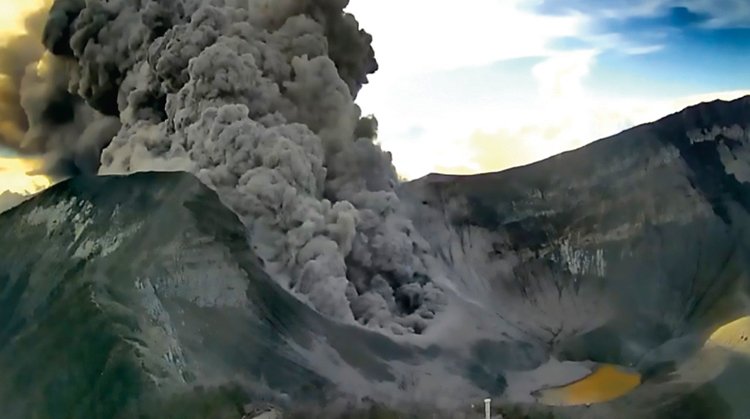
[37, 113]
[256, 98]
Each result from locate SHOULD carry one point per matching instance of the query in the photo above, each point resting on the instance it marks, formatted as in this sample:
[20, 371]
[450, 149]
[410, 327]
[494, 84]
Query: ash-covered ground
[282, 260]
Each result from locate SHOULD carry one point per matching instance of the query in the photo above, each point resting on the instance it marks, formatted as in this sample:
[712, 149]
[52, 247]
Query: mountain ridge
[712, 113]
[550, 269]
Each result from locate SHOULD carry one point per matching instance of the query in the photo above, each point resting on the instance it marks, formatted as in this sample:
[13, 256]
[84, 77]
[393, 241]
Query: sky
[12, 12]
[14, 171]
[485, 85]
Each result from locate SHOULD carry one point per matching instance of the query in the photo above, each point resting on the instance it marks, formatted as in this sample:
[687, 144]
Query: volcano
[141, 295]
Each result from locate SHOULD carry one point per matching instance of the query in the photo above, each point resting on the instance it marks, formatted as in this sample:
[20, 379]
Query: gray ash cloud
[256, 98]
[38, 115]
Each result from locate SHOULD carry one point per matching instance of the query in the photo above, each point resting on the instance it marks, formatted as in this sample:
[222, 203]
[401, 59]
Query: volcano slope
[630, 251]
[139, 296]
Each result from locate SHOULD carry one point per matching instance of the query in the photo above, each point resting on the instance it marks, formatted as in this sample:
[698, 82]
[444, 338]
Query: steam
[38, 116]
[256, 97]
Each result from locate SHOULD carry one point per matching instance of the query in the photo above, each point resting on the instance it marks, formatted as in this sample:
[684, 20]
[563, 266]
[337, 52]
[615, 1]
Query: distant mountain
[627, 251]
[139, 296]
[653, 216]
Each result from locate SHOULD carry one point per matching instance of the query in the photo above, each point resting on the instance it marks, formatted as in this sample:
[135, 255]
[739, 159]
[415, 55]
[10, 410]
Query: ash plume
[256, 97]
[38, 116]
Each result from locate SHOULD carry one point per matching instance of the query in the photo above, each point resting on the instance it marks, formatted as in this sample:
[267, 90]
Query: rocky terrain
[139, 296]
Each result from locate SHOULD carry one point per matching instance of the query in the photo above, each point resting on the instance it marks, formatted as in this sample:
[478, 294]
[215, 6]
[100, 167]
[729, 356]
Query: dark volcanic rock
[632, 246]
[114, 290]
[125, 297]
[139, 296]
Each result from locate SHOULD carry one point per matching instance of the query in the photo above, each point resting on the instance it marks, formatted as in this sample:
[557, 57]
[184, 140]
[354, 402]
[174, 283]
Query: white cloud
[422, 36]
[563, 115]
[569, 116]
[509, 147]
[642, 8]
[466, 131]
[643, 50]
[560, 76]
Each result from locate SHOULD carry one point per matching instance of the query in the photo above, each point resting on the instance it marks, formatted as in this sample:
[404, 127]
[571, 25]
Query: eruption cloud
[38, 116]
[256, 98]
